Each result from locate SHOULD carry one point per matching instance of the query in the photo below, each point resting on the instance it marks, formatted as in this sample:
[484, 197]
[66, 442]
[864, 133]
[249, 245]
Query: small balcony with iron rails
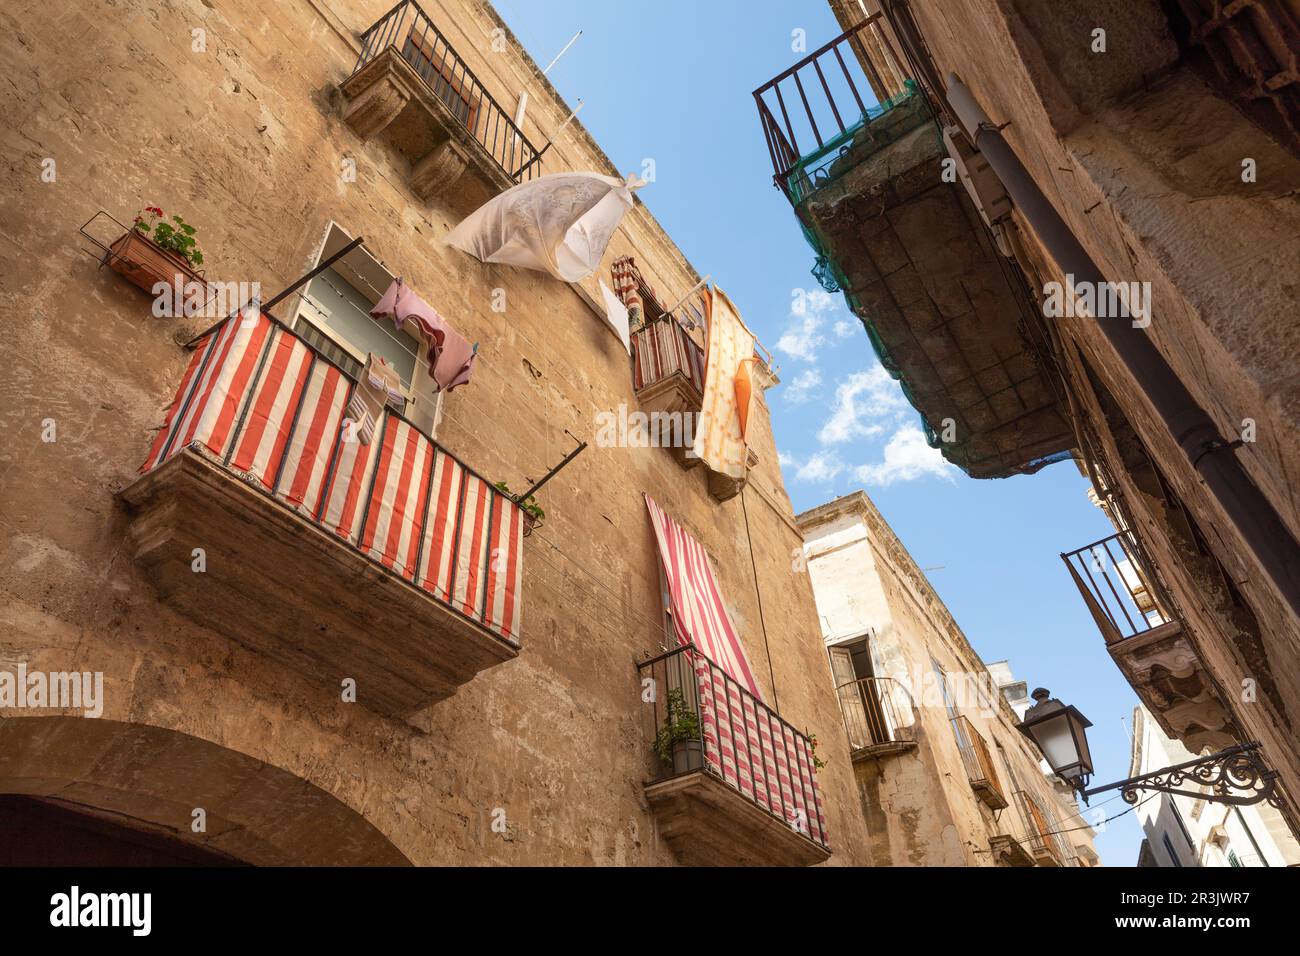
[978, 762]
[1044, 843]
[857, 148]
[412, 87]
[734, 783]
[1147, 639]
[879, 717]
[377, 557]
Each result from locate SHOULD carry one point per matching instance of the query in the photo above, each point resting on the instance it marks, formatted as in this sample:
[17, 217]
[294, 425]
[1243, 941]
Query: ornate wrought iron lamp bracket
[1237, 776]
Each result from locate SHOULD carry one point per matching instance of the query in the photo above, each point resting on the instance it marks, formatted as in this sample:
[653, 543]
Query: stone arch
[151, 779]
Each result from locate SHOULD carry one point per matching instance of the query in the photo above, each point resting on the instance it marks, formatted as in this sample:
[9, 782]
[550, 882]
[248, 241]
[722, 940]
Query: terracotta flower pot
[531, 523]
[143, 263]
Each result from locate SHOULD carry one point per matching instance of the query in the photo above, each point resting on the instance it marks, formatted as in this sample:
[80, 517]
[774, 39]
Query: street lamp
[1060, 732]
[1236, 775]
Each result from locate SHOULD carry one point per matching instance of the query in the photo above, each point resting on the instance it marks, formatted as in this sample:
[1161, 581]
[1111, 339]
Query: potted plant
[533, 513]
[679, 742]
[157, 250]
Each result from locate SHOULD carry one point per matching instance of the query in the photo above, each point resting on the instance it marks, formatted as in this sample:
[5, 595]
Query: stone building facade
[226, 731]
[945, 777]
[1184, 830]
[1070, 231]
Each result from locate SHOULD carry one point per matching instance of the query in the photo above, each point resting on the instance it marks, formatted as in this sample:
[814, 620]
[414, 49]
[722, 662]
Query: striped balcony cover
[270, 408]
[662, 348]
[745, 742]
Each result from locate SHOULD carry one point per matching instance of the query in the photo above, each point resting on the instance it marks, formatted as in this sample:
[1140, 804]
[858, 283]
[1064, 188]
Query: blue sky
[672, 81]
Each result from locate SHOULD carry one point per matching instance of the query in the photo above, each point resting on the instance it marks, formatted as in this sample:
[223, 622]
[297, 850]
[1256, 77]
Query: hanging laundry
[378, 385]
[559, 223]
[720, 432]
[626, 287]
[450, 355]
[455, 364]
[616, 314]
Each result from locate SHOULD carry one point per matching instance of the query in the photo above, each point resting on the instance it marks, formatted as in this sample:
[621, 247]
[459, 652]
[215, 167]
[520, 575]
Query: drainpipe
[1211, 456]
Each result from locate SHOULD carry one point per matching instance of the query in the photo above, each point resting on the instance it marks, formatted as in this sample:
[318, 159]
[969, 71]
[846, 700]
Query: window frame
[334, 237]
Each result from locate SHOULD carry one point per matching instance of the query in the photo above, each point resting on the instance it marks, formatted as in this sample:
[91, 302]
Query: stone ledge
[879, 751]
[1008, 851]
[1169, 677]
[282, 586]
[387, 96]
[709, 823]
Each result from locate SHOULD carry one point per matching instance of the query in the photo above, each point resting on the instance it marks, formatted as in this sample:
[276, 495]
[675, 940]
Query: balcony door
[865, 717]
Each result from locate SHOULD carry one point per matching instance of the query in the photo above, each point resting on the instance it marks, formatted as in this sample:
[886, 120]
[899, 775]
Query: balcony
[412, 87]
[734, 783]
[859, 155]
[980, 769]
[1044, 844]
[668, 378]
[260, 516]
[1148, 641]
[878, 717]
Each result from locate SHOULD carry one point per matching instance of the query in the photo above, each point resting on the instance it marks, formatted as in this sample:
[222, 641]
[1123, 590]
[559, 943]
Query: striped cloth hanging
[745, 743]
[258, 399]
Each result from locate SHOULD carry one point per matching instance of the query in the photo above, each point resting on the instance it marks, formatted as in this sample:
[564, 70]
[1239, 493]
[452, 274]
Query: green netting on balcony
[808, 182]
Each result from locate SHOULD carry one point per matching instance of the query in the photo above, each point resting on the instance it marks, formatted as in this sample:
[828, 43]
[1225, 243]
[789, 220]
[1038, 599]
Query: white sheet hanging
[616, 316]
[559, 223]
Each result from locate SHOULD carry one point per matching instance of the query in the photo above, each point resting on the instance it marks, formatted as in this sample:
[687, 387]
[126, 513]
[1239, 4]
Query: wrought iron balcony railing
[1116, 583]
[980, 769]
[408, 31]
[662, 350]
[1040, 835]
[740, 740]
[877, 711]
[813, 109]
[388, 560]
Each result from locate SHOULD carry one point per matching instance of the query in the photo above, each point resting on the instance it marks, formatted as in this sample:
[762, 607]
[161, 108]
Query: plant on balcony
[817, 761]
[679, 743]
[178, 238]
[156, 250]
[533, 513]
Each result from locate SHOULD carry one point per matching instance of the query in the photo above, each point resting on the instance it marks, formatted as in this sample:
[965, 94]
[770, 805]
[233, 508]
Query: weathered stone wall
[920, 807]
[1145, 163]
[246, 141]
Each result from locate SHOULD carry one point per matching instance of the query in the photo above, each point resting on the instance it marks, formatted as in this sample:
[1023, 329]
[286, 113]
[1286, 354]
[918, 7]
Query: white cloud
[808, 311]
[908, 456]
[802, 338]
[822, 466]
[861, 397]
[843, 329]
[801, 386]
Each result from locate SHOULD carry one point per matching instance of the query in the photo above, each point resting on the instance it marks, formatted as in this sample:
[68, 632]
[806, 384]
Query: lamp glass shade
[1060, 732]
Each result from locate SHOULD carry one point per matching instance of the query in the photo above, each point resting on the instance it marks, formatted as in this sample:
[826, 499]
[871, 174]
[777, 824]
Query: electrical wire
[1101, 822]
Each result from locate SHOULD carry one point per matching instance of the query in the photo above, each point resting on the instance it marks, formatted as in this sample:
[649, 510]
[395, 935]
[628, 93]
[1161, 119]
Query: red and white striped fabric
[422, 508]
[438, 546]
[505, 579]
[745, 742]
[310, 448]
[213, 388]
[701, 616]
[262, 439]
[662, 348]
[469, 579]
[344, 501]
[396, 514]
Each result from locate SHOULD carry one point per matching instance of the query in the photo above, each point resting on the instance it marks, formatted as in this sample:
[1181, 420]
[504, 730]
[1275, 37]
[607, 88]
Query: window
[865, 716]
[1169, 848]
[334, 317]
